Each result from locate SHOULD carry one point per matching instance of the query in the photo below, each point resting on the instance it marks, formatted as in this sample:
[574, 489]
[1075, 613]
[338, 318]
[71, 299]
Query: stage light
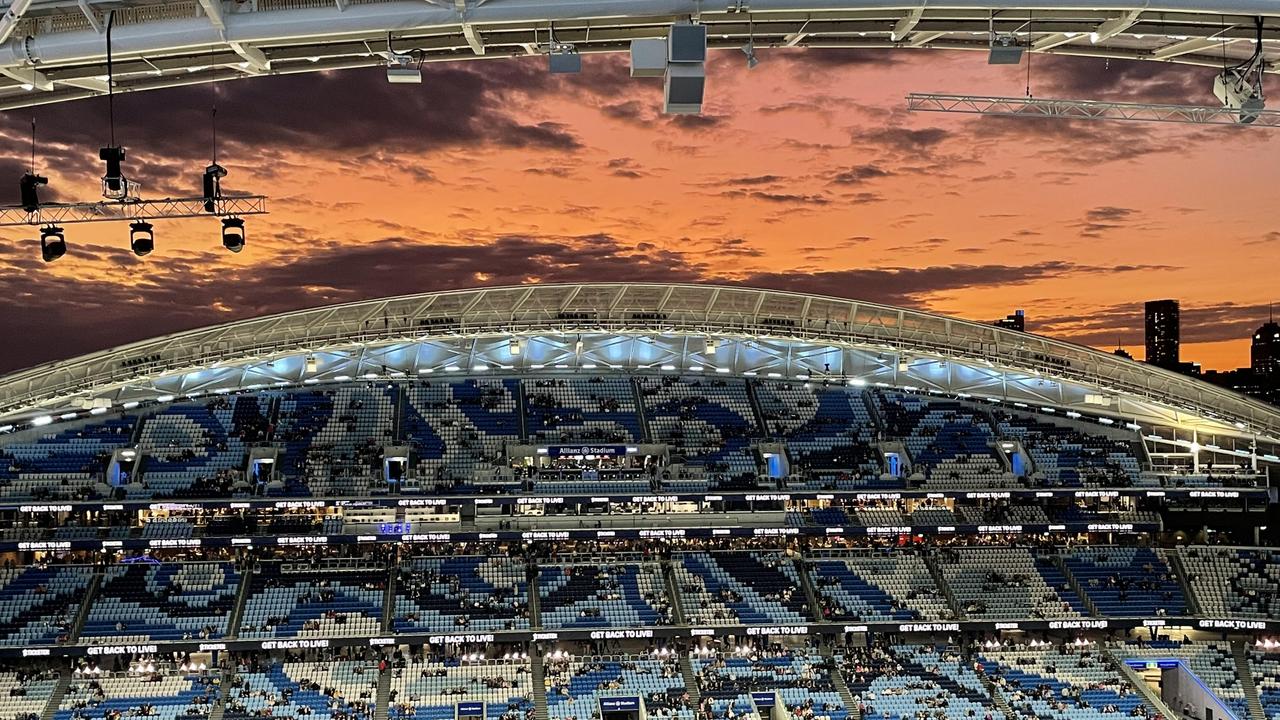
[212, 185]
[142, 240]
[750, 51]
[563, 58]
[53, 243]
[233, 234]
[114, 184]
[401, 71]
[28, 185]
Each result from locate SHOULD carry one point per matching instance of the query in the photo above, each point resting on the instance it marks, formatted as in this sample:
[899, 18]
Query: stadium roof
[625, 327]
[55, 49]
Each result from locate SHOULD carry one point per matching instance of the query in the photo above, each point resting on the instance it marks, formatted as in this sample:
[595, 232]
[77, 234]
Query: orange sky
[803, 173]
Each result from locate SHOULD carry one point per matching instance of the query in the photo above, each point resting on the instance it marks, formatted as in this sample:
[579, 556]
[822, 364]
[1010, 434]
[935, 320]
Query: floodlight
[1234, 89]
[1005, 50]
[750, 51]
[114, 184]
[233, 234]
[142, 240]
[212, 186]
[27, 185]
[53, 243]
[400, 70]
[312, 364]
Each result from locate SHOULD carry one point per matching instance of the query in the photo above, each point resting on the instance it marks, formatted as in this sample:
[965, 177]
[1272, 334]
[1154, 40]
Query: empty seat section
[1007, 582]
[287, 600]
[580, 593]
[426, 690]
[296, 690]
[162, 695]
[950, 443]
[38, 605]
[575, 686]
[801, 678]
[64, 464]
[23, 696]
[1234, 582]
[1212, 662]
[1065, 456]
[170, 601]
[1062, 683]
[1264, 666]
[452, 593]
[727, 588]
[458, 429]
[915, 681]
[1126, 582]
[828, 430]
[572, 410]
[196, 449]
[708, 422]
[876, 586]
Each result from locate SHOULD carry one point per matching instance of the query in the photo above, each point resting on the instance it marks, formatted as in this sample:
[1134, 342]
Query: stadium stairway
[932, 563]
[638, 398]
[539, 673]
[233, 623]
[1246, 682]
[993, 691]
[1145, 690]
[765, 429]
[806, 582]
[837, 679]
[397, 418]
[224, 689]
[389, 601]
[1074, 584]
[535, 608]
[55, 698]
[673, 591]
[1180, 572]
[90, 594]
[690, 680]
[383, 709]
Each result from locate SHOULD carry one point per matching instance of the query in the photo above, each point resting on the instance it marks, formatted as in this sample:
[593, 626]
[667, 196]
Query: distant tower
[1163, 327]
[1016, 321]
[1264, 354]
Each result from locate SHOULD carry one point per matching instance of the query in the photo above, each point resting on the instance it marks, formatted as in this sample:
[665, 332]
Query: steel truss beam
[111, 211]
[1083, 110]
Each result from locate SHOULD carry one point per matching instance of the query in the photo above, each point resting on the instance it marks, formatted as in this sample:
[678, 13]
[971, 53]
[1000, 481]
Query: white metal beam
[1085, 110]
[923, 38]
[257, 61]
[908, 23]
[1114, 26]
[1190, 45]
[1049, 42]
[213, 11]
[90, 15]
[9, 21]
[29, 76]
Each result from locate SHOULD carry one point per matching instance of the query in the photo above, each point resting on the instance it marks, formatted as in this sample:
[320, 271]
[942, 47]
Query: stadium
[632, 500]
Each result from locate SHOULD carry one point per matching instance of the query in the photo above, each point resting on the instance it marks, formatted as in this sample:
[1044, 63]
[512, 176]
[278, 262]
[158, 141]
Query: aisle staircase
[842, 687]
[535, 602]
[82, 613]
[1074, 584]
[55, 699]
[931, 561]
[242, 596]
[383, 709]
[1250, 688]
[389, 600]
[539, 672]
[690, 679]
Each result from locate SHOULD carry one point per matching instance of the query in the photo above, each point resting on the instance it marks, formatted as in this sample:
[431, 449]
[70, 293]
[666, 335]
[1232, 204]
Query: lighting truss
[114, 211]
[1084, 109]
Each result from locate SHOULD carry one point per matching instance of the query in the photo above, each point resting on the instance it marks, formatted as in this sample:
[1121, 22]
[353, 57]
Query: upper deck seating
[169, 601]
[725, 588]
[475, 593]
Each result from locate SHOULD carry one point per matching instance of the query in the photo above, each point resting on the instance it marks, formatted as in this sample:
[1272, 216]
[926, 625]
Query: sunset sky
[805, 173]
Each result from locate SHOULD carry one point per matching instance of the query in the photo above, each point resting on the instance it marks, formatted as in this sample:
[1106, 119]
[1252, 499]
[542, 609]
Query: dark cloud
[859, 174]
[904, 140]
[1101, 220]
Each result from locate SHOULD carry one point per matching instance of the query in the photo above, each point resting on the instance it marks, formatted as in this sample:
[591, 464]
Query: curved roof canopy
[596, 328]
[54, 50]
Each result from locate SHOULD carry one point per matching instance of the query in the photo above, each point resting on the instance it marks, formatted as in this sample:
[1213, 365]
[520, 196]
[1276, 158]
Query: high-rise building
[1163, 333]
[1264, 354]
[1016, 321]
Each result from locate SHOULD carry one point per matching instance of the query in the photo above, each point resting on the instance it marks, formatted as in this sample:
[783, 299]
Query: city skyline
[804, 173]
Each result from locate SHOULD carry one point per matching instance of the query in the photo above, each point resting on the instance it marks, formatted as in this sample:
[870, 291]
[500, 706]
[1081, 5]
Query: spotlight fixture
[312, 364]
[53, 243]
[1005, 50]
[142, 240]
[515, 346]
[233, 233]
[563, 58]
[212, 186]
[401, 71]
[28, 184]
[114, 184]
[750, 51]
